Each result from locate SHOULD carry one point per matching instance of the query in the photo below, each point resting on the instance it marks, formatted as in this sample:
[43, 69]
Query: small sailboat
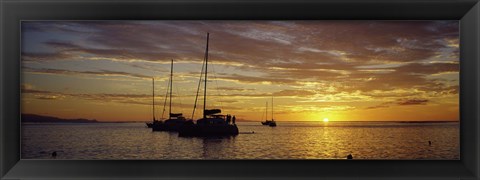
[154, 121]
[213, 123]
[175, 120]
[266, 122]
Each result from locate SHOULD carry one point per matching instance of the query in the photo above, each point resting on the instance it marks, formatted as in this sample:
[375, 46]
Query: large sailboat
[213, 123]
[175, 120]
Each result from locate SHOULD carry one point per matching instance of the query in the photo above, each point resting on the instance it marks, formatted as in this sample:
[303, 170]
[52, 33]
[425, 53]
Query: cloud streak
[95, 73]
[392, 63]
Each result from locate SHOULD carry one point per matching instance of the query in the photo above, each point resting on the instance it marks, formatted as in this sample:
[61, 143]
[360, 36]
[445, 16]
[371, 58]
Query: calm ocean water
[289, 140]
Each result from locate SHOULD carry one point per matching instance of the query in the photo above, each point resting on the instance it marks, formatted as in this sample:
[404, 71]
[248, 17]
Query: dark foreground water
[289, 140]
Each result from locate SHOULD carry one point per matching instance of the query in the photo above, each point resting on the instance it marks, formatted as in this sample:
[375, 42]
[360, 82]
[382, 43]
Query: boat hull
[172, 125]
[266, 123]
[149, 125]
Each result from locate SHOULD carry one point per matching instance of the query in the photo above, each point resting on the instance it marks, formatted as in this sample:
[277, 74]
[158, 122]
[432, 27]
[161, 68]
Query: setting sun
[325, 119]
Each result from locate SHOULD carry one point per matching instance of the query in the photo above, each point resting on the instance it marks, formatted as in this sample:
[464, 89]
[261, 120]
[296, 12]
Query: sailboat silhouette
[154, 121]
[175, 120]
[212, 123]
[267, 122]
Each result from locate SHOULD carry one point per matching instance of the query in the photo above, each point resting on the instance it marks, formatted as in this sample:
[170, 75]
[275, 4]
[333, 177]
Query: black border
[13, 11]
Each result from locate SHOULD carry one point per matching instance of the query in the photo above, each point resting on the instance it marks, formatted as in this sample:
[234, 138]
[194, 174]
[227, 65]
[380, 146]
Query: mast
[266, 110]
[153, 98]
[206, 70]
[166, 96]
[171, 81]
[198, 88]
[272, 107]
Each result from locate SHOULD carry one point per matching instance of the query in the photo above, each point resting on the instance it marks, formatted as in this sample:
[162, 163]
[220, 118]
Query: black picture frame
[14, 11]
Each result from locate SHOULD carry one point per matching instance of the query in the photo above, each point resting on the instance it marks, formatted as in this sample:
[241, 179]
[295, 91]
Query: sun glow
[325, 119]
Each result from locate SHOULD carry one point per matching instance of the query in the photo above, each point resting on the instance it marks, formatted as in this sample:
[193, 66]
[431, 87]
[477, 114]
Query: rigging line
[153, 97]
[206, 80]
[262, 116]
[171, 86]
[198, 88]
[266, 111]
[165, 102]
[179, 100]
[272, 107]
[216, 82]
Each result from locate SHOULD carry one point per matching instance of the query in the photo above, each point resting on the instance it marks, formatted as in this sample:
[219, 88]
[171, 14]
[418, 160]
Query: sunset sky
[340, 70]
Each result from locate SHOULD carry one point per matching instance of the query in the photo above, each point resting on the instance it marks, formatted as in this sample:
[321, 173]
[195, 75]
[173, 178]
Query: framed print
[337, 89]
[200, 89]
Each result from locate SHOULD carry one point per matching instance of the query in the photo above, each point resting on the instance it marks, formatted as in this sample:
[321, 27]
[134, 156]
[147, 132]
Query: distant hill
[48, 119]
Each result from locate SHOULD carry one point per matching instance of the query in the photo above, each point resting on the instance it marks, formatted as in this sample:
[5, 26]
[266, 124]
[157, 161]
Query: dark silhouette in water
[266, 122]
[175, 120]
[154, 122]
[54, 154]
[350, 156]
[212, 123]
[272, 122]
[429, 143]
[229, 118]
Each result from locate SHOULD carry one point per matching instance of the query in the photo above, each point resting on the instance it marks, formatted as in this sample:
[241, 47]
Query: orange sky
[340, 70]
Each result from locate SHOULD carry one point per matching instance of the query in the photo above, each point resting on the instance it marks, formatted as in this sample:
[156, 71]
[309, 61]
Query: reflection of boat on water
[215, 147]
[272, 122]
[175, 120]
[213, 123]
[154, 121]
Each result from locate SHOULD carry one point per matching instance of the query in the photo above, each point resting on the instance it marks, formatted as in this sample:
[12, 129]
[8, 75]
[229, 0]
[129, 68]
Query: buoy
[54, 154]
[350, 156]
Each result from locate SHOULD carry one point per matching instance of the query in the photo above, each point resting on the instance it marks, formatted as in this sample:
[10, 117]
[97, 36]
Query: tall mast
[171, 81]
[153, 98]
[206, 70]
[266, 110]
[272, 107]
[166, 96]
[198, 88]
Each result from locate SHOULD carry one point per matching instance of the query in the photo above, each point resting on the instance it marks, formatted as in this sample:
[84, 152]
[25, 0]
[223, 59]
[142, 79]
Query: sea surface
[289, 140]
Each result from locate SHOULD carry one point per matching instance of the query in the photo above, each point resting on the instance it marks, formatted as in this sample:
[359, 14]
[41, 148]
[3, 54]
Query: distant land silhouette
[49, 119]
[35, 118]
